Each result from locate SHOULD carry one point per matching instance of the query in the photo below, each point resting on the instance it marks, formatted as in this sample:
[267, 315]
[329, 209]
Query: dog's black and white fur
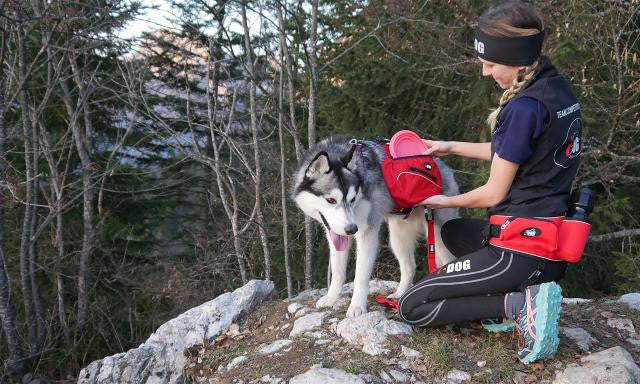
[344, 190]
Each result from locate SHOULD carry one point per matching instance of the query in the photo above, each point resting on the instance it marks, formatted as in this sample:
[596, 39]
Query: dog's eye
[331, 200]
[354, 199]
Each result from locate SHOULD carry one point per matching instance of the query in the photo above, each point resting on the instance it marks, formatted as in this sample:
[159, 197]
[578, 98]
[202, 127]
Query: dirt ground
[488, 358]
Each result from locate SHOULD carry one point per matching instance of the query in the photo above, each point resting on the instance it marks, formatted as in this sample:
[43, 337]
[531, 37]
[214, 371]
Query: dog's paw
[395, 296]
[326, 301]
[355, 310]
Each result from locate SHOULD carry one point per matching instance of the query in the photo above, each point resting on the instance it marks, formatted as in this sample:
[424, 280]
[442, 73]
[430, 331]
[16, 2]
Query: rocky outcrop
[294, 342]
[161, 358]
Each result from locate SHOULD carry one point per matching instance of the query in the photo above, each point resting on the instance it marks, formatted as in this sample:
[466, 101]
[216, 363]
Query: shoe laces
[528, 328]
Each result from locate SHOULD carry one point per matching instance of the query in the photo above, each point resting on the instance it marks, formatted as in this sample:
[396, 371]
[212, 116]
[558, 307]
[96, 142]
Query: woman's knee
[415, 297]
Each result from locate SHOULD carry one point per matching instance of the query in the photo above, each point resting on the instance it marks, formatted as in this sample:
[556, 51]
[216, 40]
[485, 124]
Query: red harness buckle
[391, 304]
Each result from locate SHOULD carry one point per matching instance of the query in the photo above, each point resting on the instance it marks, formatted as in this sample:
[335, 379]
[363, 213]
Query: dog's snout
[351, 229]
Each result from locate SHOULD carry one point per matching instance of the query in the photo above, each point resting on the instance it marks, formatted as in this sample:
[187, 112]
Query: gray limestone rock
[624, 325]
[575, 300]
[398, 376]
[369, 378]
[370, 330]
[326, 376]
[274, 347]
[309, 294]
[582, 338]
[237, 362]
[613, 365]
[293, 307]
[457, 376]
[386, 377]
[374, 349]
[160, 359]
[632, 300]
[375, 286]
[409, 353]
[308, 322]
[267, 379]
[634, 341]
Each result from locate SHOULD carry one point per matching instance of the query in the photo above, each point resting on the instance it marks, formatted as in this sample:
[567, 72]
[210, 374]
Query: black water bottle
[581, 204]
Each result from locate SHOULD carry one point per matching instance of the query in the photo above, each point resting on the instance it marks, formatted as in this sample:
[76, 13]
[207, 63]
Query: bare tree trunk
[14, 362]
[290, 90]
[83, 147]
[56, 190]
[311, 136]
[25, 240]
[313, 67]
[236, 237]
[283, 188]
[34, 267]
[256, 149]
[231, 210]
[87, 226]
[33, 251]
[59, 244]
[309, 234]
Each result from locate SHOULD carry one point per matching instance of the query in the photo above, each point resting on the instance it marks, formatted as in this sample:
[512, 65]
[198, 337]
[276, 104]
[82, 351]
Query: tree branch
[615, 235]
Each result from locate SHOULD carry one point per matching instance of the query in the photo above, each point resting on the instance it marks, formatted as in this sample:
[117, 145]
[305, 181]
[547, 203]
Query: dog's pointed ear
[319, 165]
[348, 159]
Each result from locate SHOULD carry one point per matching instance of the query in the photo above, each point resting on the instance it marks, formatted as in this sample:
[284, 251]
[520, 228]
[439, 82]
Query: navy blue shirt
[542, 184]
[521, 122]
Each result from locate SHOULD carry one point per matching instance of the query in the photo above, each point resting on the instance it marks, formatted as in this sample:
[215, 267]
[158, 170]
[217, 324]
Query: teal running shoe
[496, 325]
[537, 322]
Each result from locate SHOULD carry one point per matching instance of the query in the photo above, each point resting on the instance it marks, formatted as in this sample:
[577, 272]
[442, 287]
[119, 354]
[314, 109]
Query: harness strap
[431, 243]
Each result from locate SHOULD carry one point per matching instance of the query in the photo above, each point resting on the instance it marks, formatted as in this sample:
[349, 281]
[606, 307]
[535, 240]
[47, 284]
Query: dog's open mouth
[340, 242]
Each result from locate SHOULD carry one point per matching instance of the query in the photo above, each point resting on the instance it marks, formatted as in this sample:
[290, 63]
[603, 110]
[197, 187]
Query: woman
[534, 156]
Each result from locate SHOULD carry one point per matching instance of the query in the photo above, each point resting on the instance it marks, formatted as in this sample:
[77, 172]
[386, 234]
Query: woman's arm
[481, 151]
[500, 179]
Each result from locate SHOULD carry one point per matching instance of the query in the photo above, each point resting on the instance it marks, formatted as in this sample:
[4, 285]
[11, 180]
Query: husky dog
[344, 190]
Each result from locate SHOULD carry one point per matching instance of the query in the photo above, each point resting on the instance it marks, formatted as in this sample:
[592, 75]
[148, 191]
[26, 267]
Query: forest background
[141, 177]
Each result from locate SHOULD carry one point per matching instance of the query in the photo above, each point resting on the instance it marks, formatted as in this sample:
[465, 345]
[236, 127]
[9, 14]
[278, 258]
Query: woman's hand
[438, 148]
[436, 201]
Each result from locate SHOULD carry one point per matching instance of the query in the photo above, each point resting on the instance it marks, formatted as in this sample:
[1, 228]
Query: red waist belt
[551, 238]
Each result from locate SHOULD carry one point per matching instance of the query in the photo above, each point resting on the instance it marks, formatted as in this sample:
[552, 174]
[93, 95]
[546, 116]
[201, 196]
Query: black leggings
[474, 285]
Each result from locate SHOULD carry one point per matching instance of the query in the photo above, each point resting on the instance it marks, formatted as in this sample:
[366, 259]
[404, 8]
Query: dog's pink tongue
[339, 242]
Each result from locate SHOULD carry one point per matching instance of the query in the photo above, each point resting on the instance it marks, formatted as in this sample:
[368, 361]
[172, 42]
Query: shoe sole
[548, 304]
[504, 327]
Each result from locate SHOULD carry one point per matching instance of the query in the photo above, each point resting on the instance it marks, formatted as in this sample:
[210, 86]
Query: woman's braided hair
[518, 83]
[512, 19]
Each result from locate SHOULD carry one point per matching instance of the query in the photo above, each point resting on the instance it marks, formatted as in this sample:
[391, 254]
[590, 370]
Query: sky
[158, 18]
[150, 20]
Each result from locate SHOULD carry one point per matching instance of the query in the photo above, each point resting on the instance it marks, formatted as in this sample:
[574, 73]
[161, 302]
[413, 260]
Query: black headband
[514, 51]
